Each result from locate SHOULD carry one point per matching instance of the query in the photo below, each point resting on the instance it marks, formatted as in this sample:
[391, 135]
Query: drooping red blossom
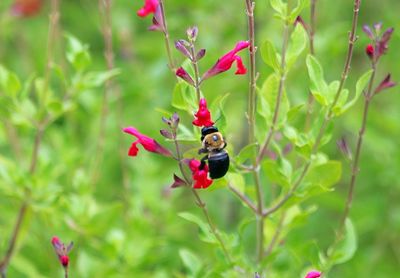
[313, 274]
[203, 115]
[369, 50]
[199, 174]
[61, 250]
[386, 83]
[225, 62]
[149, 7]
[26, 8]
[182, 73]
[149, 144]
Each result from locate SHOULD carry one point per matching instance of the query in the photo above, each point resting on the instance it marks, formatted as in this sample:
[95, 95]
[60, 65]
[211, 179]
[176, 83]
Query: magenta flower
[313, 274]
[199, 174]
[203, 115]
[62, 251]
[225, 62]
[149, 144]
[149, 7]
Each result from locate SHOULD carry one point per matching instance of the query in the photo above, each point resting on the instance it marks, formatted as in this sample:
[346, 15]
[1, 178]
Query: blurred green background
[132, 229]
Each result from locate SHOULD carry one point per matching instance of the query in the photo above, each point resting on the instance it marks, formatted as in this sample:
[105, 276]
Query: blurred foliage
[123, 217]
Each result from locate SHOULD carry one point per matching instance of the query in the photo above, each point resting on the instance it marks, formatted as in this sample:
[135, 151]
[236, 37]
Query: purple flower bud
[344, 148]
[166, 134]
[181, 45]
[175, 120]
[200, 54]
[180, 72]
[378, 27]
[383, 43]
[385, 84]
[192, 33]
[368, 32]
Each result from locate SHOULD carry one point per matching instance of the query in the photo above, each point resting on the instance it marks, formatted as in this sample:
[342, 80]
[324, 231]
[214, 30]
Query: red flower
[149, 7]
[203, 115]
[313, 274]
[26, 8]
[370, 51]
[225, 62]
[61, 250]
[149, 144]
[199, 174]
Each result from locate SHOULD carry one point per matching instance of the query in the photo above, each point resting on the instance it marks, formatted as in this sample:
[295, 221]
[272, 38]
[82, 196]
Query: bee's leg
[203, 162]
[202, 150]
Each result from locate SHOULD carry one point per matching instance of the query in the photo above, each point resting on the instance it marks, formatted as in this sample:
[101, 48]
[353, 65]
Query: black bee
[214, 145]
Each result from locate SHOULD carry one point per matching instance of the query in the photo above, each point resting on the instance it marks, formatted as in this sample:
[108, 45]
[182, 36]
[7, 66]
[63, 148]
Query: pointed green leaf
[319, 88]
[360, 86]
[269, 55]
[191, 261]
[301, 4]
[298, 42]
[346, 247]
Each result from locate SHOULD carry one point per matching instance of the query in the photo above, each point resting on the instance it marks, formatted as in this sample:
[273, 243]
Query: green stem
[171, 63]
[311, 34]
[196, 70]
[355, 164]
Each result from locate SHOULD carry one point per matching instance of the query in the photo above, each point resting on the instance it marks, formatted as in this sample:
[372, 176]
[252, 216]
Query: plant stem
[199, 201]
[11, 245]
[105, 8]
[276, 235]
[355, 164]
[196, 70]
[66, 272]
[244, 198]
[54, 18]
[281, 87]
[311, 34]
[171, 63]
[250, 5]
[328, 116]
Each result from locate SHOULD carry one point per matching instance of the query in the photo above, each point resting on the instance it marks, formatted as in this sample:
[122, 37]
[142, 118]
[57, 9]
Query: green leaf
[269, 55]
[301, 4]
[268, 98]
[237, 181]
[96, 79]
[276, 175]
[321, 178]
[9, 82]
[217, 110]
[298, 42]
[280, 8]
[77, 53]
[319, 88]
[345, 249]
[205, 234]
[362, 82]
[190, 261]
[178, 101]
[247, 153]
